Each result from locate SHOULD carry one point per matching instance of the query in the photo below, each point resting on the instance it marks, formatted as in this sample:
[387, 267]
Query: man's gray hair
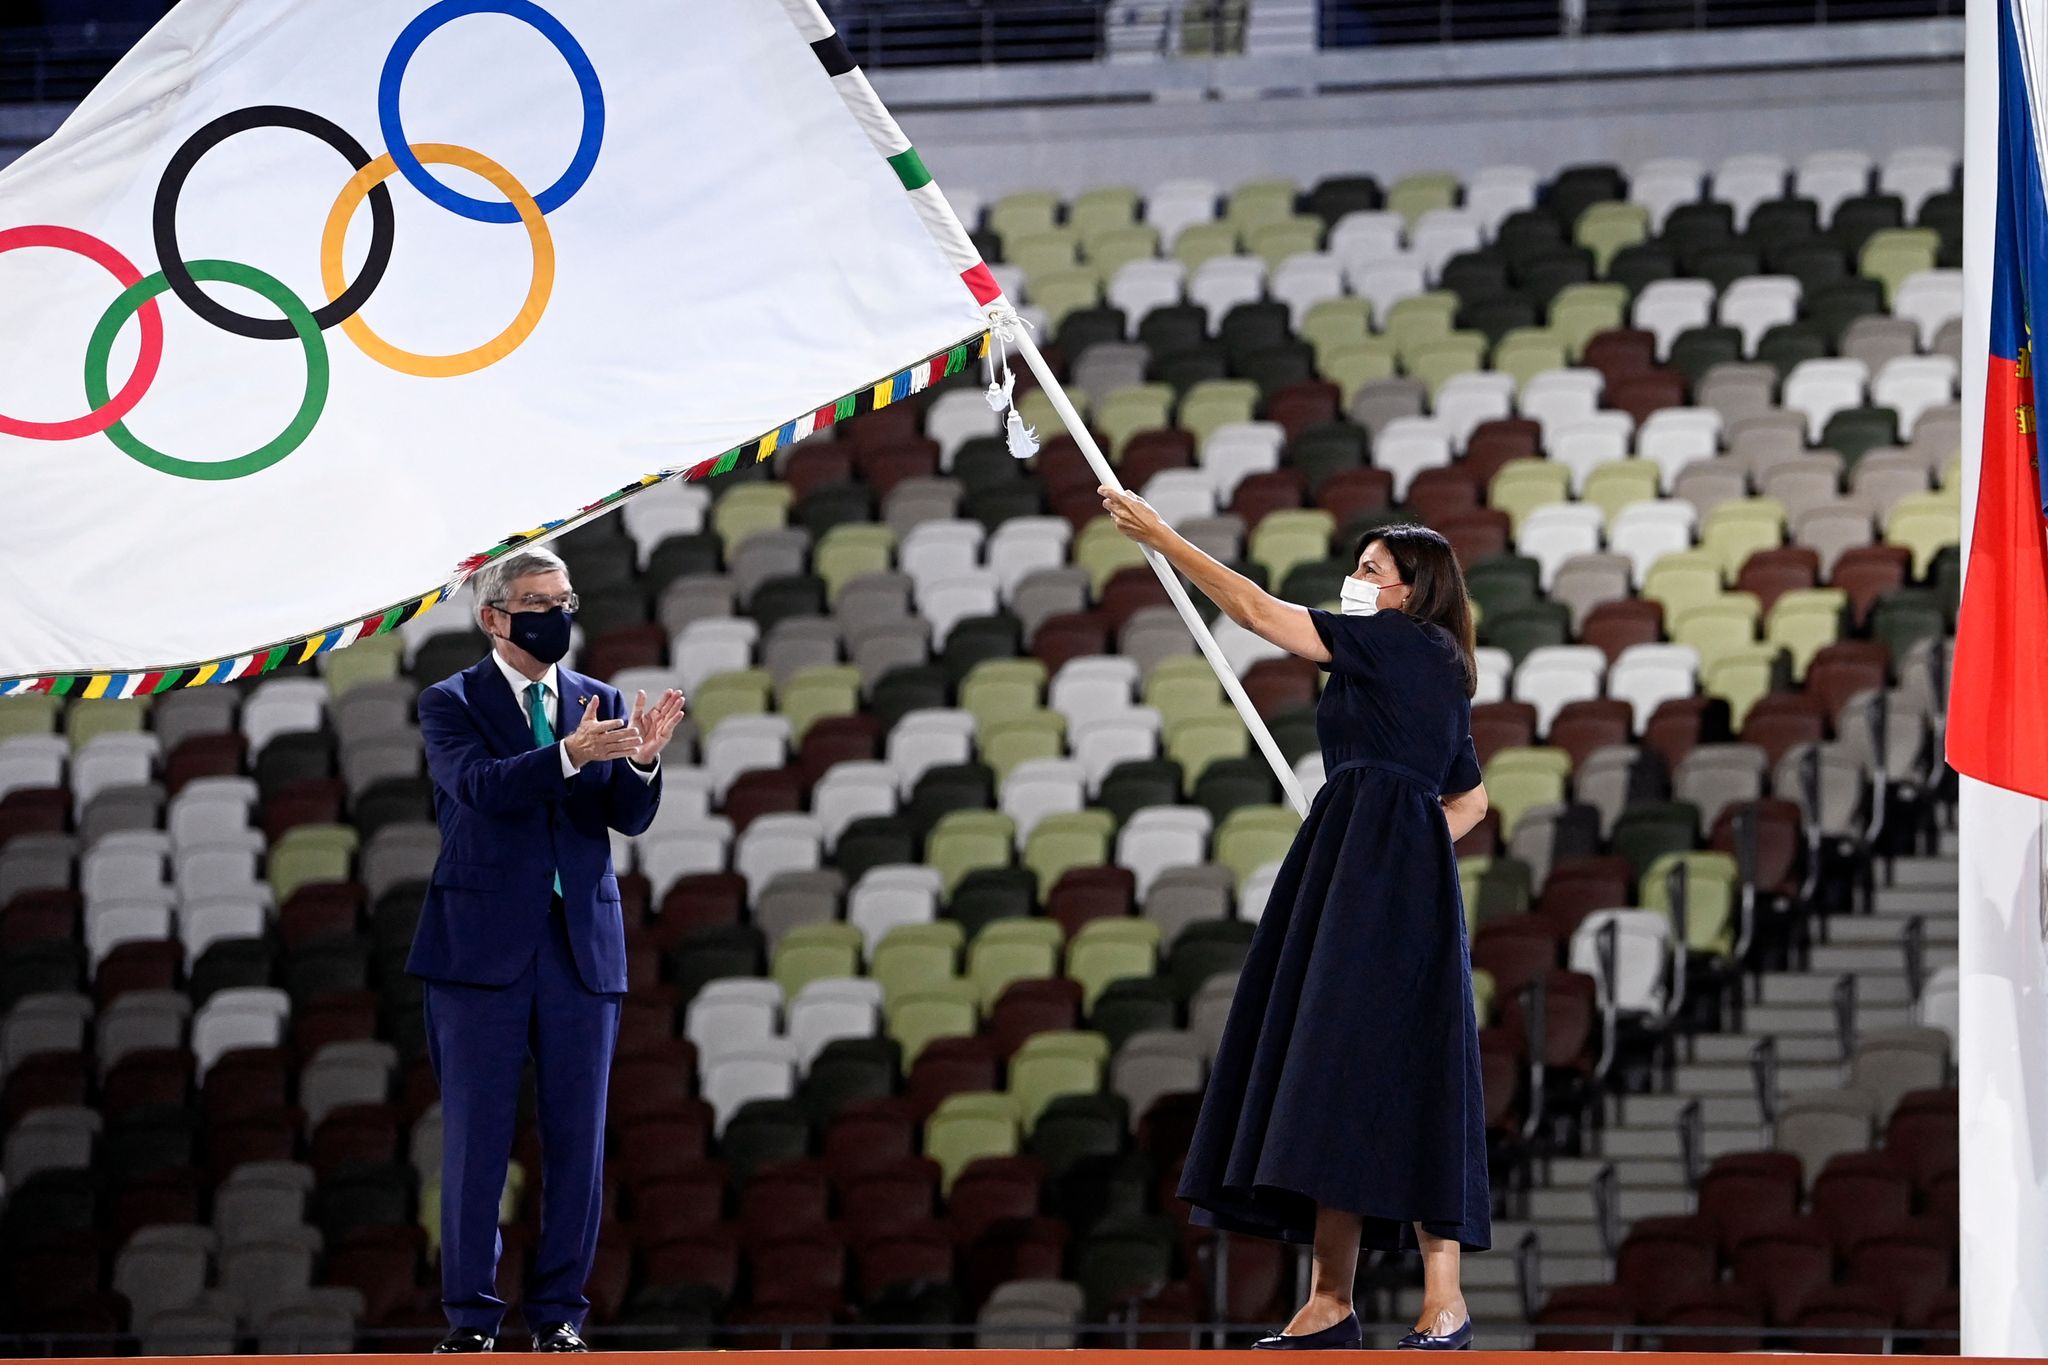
[492, 582]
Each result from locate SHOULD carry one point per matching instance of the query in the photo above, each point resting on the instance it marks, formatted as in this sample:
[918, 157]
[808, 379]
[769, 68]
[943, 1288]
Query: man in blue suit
[521, 942]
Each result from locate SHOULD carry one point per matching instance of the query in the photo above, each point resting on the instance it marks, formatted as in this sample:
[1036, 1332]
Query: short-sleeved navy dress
[1348, 1072]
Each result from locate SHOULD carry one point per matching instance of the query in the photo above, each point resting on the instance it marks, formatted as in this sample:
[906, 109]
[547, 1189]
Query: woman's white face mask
[1358, 598]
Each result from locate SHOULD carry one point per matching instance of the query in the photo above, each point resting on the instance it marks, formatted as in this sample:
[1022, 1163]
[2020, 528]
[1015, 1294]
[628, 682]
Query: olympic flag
[310, 308]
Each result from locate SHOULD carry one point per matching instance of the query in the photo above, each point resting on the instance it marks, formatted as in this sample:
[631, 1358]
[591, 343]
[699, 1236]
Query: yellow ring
[497, 348]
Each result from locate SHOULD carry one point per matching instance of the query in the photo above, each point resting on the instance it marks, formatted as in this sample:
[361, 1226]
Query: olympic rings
[165, 220]
[105, 412]
[345, 299]
[303, 325]
[370, 180]
[393, 126]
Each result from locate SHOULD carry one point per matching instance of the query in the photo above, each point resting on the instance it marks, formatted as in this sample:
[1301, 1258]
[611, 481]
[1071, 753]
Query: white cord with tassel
[1005, 327]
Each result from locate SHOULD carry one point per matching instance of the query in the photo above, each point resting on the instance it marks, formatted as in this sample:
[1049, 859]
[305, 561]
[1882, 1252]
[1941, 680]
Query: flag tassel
[1006, 327]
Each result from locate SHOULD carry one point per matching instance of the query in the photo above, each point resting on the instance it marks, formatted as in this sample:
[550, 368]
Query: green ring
[99, 351]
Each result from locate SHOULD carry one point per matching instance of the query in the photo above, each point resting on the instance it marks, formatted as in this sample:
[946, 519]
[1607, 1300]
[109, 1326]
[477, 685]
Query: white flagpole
[2002, 947]
[1021, 338]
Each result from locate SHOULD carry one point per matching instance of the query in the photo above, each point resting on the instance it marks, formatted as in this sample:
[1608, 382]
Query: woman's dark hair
[1436, 585]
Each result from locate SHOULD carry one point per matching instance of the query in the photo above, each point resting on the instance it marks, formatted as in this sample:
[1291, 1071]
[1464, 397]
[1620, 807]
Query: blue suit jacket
[509, 822]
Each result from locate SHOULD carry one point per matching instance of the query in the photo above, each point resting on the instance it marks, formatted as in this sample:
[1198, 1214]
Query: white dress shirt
[551, 698]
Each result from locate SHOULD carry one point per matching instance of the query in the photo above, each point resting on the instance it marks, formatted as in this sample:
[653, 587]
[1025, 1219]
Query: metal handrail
[1678, 891]
[1748, 860]
[1913, 942]
[1763, 1073]
[1809, 790]
[1606, 951]
[1536, 1016]
[1879, 718]
[1606, 1191]
[1529, 1273]
[1692, 1142]
[1844, 1000]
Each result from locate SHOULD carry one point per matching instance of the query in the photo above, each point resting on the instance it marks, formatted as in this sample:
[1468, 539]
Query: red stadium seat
[1589, 1308]
[1355, 492]
[921, 1253]
[1621, 354]
[1493, 444]
[701, 901]
[1090, 893]
[782, 1199]
[948, 1066]
[1502, 725]
[1785, 1260]
[1867, 573]
[1258, 494]
[803, 1266]
[1437, 495]
[1580, 727]
[1070, 635]
[1276, 684]
[1639, 395]
[837, 739]
[1128, 592]
[1770, 574]
[1666, 1262]
[1146, 454]
[1299, 407]
[1781, 721]
[1571, 1013]
[710, 1258]
[1515, 952]
[1744, 1191]
[1837, 1307]
[1861, 1195]
[1727, 1308]
[992, 1189]
[1613, 626]
[1909, 1266]
[686, 1201]
[869, 1136]
[1478, 534]
[764, 791]
[1013, 1249]
[901, 1194]
[1840, 670]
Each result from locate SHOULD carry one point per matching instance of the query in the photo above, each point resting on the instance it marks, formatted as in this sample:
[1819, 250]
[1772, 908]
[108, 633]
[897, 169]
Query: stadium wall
[1393, 110]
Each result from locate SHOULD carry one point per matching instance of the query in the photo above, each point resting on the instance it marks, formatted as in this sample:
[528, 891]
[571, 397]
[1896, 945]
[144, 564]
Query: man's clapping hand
[594, 740]
[656, 727]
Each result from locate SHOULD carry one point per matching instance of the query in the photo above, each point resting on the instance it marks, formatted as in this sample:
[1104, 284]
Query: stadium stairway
[1643, 1141]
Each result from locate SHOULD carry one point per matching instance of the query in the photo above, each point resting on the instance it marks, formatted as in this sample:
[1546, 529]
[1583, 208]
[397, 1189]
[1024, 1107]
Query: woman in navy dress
[1344, 1106]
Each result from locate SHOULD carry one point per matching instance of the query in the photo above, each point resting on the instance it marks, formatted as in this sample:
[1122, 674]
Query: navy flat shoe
[1460, 1340]
[1344, 1334]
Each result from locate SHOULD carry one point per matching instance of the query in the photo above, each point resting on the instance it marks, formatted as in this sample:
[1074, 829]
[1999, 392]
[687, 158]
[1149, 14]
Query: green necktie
[543, 733]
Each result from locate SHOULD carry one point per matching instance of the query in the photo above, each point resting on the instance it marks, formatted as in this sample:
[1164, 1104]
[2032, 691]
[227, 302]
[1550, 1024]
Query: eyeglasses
[535, 601]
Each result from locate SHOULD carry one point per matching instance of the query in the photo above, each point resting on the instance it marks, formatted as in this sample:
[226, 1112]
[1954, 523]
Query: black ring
[165, 221]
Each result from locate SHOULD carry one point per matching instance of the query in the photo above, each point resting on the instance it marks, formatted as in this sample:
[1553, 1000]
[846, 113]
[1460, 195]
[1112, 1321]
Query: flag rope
[303, 648]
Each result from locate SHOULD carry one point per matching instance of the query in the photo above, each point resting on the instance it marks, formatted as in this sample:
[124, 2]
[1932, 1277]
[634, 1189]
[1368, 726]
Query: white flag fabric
[311, 307]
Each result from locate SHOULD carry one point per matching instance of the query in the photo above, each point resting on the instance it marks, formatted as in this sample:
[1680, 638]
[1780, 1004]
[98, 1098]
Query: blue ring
[549, 27]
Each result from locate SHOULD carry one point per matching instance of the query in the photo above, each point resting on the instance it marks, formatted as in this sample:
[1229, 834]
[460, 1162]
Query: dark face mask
[543, 634]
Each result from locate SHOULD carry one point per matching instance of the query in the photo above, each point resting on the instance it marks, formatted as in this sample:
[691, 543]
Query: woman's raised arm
[1243, 601]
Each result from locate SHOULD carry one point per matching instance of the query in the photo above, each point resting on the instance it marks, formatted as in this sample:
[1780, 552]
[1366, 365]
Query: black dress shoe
[558, 1336]
[463, 1340]
[1458, 1340]
[1342, 1335]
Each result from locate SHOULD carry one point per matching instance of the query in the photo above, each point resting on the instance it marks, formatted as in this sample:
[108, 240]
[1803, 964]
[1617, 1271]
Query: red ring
[152, 354]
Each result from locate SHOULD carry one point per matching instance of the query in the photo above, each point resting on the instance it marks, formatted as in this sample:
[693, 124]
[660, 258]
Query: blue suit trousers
[479, 1039]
